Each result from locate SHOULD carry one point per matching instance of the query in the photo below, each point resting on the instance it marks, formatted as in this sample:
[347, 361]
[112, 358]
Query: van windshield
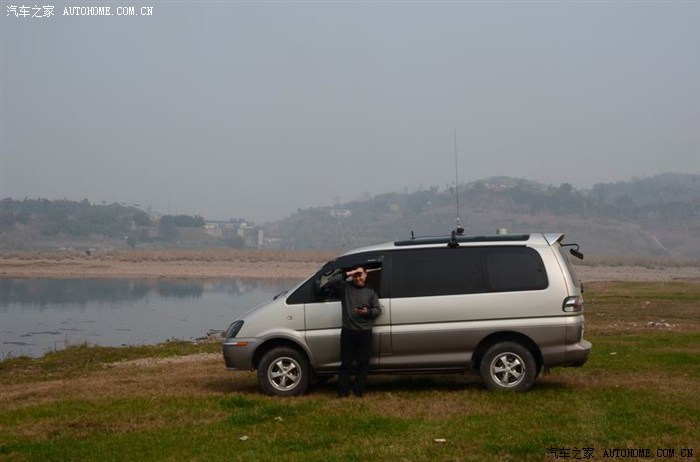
[316, 288]
[326, 292]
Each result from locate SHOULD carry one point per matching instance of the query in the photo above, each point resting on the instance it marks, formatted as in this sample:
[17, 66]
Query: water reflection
[43, 292]
[39, 315]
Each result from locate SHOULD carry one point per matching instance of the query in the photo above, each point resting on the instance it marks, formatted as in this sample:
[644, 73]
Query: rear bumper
[577, 354]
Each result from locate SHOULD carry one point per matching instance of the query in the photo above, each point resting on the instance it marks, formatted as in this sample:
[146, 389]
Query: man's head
[359, 277]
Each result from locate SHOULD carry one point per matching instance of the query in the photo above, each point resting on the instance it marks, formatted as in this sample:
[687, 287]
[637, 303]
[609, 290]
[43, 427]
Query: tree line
[80, 219]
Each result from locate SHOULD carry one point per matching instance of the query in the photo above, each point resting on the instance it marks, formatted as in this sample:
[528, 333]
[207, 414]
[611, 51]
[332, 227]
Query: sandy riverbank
[258, 264]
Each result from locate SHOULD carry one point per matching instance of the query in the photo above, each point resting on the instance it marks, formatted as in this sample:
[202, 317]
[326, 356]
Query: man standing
[360, 307]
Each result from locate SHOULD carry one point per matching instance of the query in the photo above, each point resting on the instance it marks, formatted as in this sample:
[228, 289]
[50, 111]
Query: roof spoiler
[553, 238]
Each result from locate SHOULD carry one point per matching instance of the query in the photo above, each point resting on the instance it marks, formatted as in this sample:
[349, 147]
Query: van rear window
[465, 270]
[514, 268]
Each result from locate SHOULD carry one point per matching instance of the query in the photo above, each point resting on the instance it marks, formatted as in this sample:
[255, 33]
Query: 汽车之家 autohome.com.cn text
[47, 11]
[108, 11]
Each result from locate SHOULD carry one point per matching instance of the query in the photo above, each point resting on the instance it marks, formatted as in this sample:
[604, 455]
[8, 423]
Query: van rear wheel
[508, 366]
[283, 371]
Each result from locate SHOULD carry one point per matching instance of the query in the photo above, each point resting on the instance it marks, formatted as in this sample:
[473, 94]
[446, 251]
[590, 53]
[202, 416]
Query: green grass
[505, 426]
[639, 390]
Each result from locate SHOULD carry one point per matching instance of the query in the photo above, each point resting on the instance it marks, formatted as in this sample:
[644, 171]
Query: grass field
[176, 402]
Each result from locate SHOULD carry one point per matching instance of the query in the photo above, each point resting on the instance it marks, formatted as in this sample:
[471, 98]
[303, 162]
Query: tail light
[573, 304]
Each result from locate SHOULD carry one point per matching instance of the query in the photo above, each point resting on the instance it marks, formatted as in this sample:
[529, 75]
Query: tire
[283, 371]
[508, 366]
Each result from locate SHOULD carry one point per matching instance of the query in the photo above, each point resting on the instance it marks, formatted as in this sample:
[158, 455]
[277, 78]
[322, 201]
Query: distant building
[251, 234]
[213, 229]
[221, 229]
[272, 243]
[341, 213]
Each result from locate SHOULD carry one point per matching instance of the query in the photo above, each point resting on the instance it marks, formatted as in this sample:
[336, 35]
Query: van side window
[514, 268]
[430, 272]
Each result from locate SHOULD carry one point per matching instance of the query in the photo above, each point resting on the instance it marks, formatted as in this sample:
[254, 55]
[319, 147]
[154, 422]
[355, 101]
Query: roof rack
[448, 239]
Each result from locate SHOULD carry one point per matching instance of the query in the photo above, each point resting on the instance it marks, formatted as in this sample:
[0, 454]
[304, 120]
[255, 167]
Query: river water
[41, 315]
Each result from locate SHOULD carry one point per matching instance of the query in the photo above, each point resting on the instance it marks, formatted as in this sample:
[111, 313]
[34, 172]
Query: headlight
[233, 329]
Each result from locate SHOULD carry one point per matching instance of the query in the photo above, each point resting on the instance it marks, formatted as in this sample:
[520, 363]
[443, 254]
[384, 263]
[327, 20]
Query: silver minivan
[504, 306]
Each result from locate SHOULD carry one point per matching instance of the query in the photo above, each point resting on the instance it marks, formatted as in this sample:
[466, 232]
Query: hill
[646, 217]
[655, 216]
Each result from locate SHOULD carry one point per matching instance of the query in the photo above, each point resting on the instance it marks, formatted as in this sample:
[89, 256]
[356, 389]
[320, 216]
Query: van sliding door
[430, 290]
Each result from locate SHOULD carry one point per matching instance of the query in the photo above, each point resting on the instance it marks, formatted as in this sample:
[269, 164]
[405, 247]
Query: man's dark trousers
[357, 345]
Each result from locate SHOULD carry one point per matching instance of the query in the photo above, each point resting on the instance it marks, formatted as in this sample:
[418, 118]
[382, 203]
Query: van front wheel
[508, 366]
[283, 371]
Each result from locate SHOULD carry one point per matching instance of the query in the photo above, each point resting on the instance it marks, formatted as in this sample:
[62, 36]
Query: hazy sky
[250, 109]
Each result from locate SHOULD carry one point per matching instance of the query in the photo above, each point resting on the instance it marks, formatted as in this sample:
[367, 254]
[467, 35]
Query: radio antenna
[459, 230]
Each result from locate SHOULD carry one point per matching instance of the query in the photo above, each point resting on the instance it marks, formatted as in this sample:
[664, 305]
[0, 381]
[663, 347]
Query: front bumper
[238, 353]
